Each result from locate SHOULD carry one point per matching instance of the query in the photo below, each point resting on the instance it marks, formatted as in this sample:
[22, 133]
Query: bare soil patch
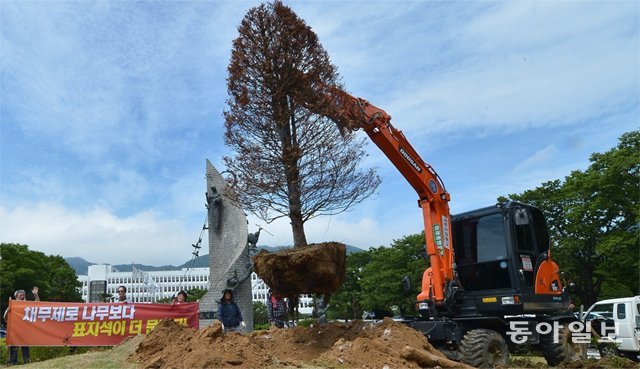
[356, 344]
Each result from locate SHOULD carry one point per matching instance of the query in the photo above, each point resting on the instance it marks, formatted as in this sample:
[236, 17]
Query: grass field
[111, 358]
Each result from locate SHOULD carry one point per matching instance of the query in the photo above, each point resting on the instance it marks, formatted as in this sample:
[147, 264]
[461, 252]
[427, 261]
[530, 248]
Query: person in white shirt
[122, 295]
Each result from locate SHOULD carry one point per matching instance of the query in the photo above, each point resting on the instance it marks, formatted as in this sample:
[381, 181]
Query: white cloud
[110, 85]
[186, 196]
[97, 235]
[540, 158]
[117, 105]
[359, 228]
[100, 236]
[122, 187]
[445, 70]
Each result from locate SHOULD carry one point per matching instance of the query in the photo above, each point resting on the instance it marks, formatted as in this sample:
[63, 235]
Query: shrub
[257, 327]
[306, 322]
[42, 353]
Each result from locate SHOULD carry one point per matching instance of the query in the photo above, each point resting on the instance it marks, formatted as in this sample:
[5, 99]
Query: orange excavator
[491, 270]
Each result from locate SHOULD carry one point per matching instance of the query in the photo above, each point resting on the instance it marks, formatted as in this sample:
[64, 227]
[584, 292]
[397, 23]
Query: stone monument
[229, 251]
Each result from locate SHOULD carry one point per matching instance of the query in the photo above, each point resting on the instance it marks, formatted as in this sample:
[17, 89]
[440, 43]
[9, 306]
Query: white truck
[617, 323]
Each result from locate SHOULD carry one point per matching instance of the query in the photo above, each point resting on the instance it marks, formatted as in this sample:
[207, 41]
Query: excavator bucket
[318, 268]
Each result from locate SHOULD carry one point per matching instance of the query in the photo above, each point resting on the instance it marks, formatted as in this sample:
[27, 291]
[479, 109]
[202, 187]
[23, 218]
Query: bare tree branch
[289, 162]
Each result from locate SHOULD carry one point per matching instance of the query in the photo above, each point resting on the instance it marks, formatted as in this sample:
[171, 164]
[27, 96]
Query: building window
[97, 287]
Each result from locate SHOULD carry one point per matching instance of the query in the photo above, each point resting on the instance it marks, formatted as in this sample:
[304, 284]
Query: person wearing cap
[229, 313]
[20, 295]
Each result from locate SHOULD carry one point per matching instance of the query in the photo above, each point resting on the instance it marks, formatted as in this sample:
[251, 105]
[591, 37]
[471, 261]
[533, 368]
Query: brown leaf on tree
[290, 160]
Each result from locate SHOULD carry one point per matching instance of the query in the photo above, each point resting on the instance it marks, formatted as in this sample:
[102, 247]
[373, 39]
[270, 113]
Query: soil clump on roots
[318, 268]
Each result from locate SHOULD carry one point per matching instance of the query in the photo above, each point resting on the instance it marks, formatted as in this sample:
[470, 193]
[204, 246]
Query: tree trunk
[299, 238]
[588, 296]
[295, 204]
[291, 156]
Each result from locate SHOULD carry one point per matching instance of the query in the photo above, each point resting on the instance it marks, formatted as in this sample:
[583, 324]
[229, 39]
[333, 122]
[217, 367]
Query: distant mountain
[199, 262]
[353, 249]
[81, 266]
[148, 268]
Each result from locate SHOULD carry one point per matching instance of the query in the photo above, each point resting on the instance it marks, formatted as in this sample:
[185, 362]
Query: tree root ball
[317, 268]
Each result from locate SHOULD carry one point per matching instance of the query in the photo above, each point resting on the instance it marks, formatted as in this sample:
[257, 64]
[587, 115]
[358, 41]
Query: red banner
[37, 323]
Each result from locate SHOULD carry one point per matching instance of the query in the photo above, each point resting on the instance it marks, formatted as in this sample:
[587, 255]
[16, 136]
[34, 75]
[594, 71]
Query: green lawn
[92, 358]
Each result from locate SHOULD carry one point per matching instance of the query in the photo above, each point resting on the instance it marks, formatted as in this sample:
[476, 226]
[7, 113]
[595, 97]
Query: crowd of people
[20, 295]
[229, 313]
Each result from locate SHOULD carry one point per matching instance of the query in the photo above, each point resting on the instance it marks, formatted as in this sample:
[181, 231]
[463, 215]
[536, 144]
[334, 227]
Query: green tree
[345, 304]
[63, 280]
[21, 268]
[374, 279]
[593, 219]
[105, 296]
[260, 318]
[196, 294]
[193, 295]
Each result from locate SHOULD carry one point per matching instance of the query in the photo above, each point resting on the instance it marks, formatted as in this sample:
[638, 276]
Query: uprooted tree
[289, 162]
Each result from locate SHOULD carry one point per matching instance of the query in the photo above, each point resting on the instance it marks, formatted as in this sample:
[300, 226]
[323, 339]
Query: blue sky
[108, 110]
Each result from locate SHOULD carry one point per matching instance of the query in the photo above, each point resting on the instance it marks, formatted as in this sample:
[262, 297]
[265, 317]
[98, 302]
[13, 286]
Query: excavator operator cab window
[523, 232]
[531, 240]
[481, 254]
[526, 250]
[540, 230]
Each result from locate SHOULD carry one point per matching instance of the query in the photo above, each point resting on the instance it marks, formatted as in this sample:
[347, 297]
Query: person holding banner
[13, 350]
[122, 295]
[180, 298]
[229, 313]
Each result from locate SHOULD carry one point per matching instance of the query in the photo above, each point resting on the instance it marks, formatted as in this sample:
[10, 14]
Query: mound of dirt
[352, 345]
[317, 268]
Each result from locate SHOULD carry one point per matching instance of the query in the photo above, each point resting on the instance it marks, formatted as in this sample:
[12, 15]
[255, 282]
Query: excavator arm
[350, 113]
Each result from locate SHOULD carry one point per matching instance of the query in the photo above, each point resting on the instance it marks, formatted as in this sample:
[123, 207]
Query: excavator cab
[503, 262]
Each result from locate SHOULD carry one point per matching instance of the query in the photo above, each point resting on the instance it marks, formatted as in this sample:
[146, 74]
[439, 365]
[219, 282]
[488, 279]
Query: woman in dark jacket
[229, 313]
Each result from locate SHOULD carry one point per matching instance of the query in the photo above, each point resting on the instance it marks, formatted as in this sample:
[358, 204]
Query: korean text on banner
[37, 323]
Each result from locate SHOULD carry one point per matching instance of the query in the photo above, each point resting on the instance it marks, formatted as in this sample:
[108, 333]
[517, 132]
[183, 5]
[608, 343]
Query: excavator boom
[351, 114]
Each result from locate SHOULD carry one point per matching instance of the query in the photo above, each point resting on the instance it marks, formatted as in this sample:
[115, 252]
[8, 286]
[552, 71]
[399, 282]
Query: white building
[151, 286]
[260, 291]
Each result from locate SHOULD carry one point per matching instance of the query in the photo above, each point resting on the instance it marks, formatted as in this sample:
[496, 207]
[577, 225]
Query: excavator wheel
[563, 350]
[608, 349]
[484, 348]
